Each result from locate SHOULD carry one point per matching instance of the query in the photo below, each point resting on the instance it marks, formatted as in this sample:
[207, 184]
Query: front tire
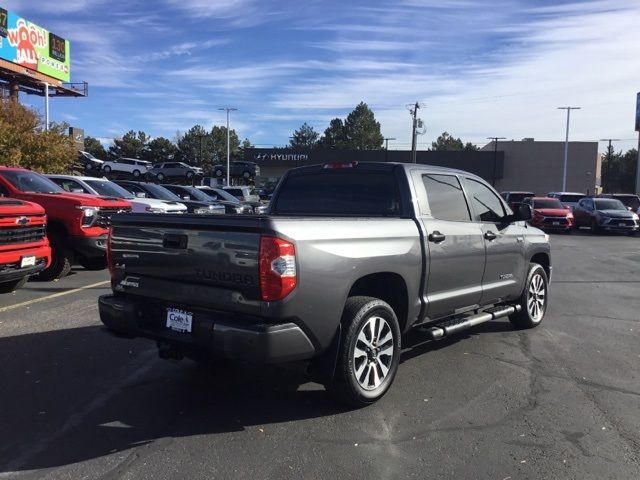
[534, 299]
[136, 173]
[107, 169]
[61, 258]
[160, 177]
[595, 229]
[369, 352]
[189, 175]
[8, 287]
[218, 172]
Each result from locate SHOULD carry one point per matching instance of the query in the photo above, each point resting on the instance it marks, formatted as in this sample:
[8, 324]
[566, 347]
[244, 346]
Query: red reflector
[277, 268]
[340, 165]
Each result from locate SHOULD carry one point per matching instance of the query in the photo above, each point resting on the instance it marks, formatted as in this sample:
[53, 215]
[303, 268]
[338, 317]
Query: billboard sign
[30, 46]
[638, 112]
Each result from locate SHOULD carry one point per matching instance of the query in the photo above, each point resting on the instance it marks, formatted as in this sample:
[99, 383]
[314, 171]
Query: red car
[24, 248]
[550, 214]
[77, 224]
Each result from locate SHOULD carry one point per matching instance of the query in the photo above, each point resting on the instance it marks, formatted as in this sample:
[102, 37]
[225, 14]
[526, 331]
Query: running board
[459, 324]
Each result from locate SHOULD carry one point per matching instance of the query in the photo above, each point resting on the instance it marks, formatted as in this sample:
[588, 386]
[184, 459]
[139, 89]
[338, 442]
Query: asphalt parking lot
[560, 401]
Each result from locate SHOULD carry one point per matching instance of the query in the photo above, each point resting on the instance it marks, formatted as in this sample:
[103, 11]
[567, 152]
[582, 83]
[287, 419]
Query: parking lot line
[54, 295]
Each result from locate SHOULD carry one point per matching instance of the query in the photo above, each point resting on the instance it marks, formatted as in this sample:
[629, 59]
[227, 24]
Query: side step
[459, 324]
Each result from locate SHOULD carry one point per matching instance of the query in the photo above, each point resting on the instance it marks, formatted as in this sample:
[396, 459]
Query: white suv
[106, 188]
[129, 165]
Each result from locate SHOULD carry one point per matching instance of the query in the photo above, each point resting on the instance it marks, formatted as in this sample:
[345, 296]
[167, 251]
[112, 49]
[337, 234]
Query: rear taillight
[277, 268]
[109, 254]
[333, 165]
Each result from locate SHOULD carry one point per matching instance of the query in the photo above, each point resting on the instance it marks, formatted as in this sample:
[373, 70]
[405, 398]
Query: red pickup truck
[78, 224]
[24, 248]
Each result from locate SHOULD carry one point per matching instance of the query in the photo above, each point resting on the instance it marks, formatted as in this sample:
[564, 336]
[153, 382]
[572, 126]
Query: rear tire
[160, 177]
[136, 173]
[107, 169]
[534, 299]
[246, 175]
[93, 263]
[61, 258]
[189, 175]
[218, 172]
[8, 287]
[595, 229]
[369, 352]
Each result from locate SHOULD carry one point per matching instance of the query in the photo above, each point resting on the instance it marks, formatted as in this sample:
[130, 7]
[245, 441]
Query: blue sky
[482, 68]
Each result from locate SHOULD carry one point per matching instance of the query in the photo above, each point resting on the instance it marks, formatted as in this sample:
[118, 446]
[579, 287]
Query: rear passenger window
[486, 204]
[446, 198]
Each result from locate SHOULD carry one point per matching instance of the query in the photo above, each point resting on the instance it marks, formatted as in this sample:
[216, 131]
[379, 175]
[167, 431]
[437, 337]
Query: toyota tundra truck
[349, 257]
[77, 224]
[24, 248]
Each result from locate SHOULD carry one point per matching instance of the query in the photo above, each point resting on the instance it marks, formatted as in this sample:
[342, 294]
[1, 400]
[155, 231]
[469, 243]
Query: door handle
[436, 237]
[490, 235]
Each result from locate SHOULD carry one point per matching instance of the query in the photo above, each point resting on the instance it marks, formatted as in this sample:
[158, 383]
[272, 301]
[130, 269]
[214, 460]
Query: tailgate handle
[174, 241]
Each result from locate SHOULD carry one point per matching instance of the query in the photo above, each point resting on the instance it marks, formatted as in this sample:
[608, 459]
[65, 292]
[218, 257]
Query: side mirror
[524, 212]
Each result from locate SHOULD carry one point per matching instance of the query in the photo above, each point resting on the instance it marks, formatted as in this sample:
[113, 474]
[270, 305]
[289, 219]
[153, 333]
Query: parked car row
[48, 223]
[164, 170]
[565, 211]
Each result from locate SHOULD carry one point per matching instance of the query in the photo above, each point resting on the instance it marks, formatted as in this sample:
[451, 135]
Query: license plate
[28, 261]
[179, 320]
[621, 224]
[556, 223]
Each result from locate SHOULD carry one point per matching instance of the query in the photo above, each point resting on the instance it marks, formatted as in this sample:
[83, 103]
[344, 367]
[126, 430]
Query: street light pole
[228, 110]
[495, 157]
[46, 106]
[566, 146]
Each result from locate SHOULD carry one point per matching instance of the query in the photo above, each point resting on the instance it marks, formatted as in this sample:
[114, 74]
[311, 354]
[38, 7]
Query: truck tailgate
[191, 260]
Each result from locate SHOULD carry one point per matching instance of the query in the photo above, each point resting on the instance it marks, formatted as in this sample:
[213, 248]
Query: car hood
[155, 203]
[553, 212]
[616, 213]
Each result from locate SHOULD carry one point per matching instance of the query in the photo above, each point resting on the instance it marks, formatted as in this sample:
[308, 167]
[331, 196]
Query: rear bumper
[212, 332]
[10, 263]
[89, 246]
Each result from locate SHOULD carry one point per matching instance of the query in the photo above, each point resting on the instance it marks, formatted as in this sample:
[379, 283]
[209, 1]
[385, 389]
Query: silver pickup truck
[349, 257]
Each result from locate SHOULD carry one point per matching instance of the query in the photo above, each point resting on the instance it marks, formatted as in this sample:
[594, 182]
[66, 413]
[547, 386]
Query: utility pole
[46, 106]
[417, 123]
[608, 184]
[228, 110]
[566, 146]
[495, 157]
[386, 148]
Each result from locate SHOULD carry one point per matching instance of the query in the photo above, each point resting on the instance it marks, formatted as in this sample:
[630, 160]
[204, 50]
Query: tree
[219, 138]
[446, 142]
[131, 145]
[195, 147]
[470, 147]
[618, 171]
[24, 143]
[334, 136]
[361, 130]
[95, 148]
[160, 150]
[305, 138]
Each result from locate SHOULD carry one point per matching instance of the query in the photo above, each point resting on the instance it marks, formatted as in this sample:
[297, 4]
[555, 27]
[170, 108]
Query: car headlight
[239, 209]
[89, 215]
[155, 210]
[635, 217]
[569, 215]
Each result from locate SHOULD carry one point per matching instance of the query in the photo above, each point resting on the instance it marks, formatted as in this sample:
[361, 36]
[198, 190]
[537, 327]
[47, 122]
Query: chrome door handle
[436, 237]
[490, 235]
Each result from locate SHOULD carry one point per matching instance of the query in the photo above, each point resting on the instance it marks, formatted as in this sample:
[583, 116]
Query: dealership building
[516, 165]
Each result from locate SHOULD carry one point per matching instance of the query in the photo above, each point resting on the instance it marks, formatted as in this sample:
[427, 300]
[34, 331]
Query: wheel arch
[387, 286]
[543, 259]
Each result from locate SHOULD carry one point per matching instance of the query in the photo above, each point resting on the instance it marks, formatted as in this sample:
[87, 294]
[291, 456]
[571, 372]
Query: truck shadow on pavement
[77, 395]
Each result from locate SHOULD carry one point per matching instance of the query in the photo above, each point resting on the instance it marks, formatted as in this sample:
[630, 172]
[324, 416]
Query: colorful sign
[30, 46]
